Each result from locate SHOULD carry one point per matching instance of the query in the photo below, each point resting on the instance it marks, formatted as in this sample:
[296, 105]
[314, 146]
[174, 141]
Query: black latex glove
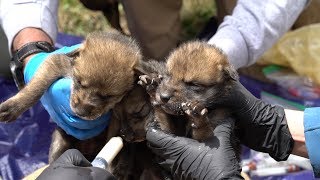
[189, 159]
[262, 126]
[72, 165]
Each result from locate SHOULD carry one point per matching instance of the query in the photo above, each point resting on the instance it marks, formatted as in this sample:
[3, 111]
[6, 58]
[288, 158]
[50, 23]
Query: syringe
[108, 153]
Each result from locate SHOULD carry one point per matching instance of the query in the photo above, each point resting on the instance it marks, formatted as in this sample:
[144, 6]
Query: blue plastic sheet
[24, 143]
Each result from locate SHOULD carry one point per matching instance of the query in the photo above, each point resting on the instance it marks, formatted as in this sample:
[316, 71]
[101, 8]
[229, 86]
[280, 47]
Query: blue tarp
[24, 143]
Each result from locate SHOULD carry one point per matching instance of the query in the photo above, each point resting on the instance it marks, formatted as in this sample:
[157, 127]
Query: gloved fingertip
[154, 134]
[151, 132]
[73, 157]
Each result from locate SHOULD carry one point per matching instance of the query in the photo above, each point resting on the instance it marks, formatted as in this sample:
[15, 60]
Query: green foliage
[194, 15]
[75, 19]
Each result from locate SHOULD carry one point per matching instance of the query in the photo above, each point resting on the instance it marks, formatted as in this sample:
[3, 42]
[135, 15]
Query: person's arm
[296, 128]
[311, 124]
[29, 21]
[255, 26]
[304, 127]
[28, 35]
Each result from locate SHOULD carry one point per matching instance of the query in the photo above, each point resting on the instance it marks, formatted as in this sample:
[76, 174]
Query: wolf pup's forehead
[198, 62]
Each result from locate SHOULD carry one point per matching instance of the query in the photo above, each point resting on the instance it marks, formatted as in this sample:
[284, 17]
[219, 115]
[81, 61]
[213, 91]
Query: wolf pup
[129, 120]
[194, 77]
[102, 70]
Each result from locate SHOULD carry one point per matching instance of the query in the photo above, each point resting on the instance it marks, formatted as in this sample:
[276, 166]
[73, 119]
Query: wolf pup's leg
[51, 69]
[59, 144]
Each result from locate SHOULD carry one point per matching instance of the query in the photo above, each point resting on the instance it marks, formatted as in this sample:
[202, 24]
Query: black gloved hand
[189, 159]
[72, 165]
[262, 126]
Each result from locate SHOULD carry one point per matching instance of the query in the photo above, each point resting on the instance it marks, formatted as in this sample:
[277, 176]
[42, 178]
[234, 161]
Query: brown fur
[199, 75]
[103, 73]
[129, 120]
[132, 114]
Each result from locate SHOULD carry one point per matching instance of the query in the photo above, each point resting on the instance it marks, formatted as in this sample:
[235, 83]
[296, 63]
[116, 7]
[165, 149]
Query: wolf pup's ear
[147, 67]
[230, 73]
[140, 68]
[75, 53]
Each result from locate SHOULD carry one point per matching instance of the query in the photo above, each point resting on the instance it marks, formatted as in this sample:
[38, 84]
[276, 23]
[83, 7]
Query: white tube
[108, 153]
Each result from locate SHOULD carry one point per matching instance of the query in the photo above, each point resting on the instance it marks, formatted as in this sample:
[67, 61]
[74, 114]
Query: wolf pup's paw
[9, 111]
[201, 128]
[150, 82]
[144, 81]
[196, 111]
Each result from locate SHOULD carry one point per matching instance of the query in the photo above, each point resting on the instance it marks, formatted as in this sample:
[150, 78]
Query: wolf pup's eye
[103, 97]
[144, 111]
[78, 83]
[195, 86]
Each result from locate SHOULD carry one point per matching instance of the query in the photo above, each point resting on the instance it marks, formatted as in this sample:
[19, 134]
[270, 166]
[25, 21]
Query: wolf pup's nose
[165, 97]
[83, 110]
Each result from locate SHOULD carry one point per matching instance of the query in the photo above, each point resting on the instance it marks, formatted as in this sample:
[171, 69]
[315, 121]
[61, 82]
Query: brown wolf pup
[102, 70]
[131, 115]
[183, 89]
[129, 120]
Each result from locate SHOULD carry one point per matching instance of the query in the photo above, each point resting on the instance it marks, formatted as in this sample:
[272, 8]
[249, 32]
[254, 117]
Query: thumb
[73, 157]
[157, 137]
[225, 127]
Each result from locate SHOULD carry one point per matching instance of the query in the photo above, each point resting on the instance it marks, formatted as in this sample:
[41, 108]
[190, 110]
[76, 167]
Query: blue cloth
[312, 135]
[57, 101]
